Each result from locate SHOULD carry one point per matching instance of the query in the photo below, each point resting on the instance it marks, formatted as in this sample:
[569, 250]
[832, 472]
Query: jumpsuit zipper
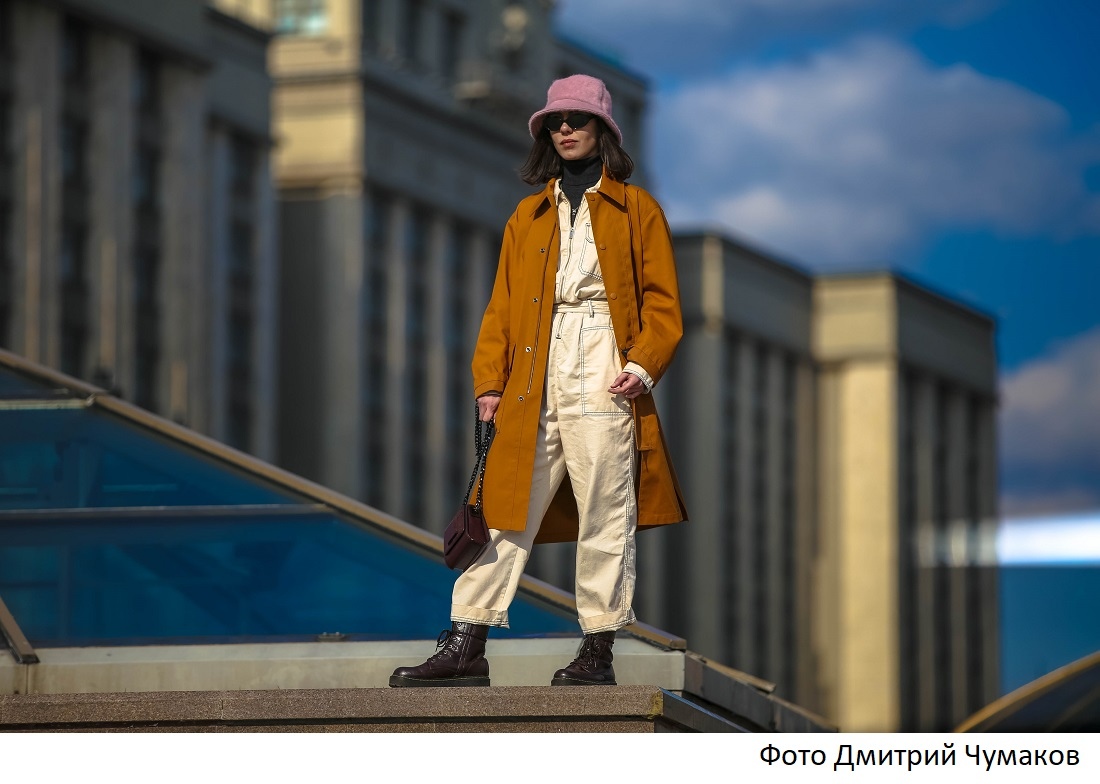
[562, 271]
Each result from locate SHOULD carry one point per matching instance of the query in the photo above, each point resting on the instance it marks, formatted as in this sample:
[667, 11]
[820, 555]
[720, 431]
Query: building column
[924, 433]
[778, 531]
[860, 409]
[806, 534]
[217, 276]
[957, 554]
[986, 554]
[437, 508]
[396, 359]
[743, 656]
[701, 354]
[267, 314]
[110, 224]
[341, 271]
[183, 245]
[36, 216]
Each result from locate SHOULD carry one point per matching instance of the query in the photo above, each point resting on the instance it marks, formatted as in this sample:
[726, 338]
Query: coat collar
[612, 189]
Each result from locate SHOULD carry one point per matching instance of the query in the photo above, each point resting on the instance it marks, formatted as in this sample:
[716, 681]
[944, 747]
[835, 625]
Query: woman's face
[573, 144]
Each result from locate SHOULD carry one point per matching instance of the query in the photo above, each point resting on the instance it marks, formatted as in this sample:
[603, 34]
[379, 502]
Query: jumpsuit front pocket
[590, 260]
[599, 368]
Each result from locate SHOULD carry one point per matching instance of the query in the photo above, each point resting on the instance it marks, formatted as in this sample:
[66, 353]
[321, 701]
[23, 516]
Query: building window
[489, 271]
[5, 29]
[239, 404]
[730, 522]
[412, 23]
[632, 125]
[459, 393]
[300, 17]
[759, 537]
[74, 53]
[788, 475]
[74, 300]
[243, 169]
[417, 246]
[75, 196]
[147, 233]
[7, 176]
[453, 29]
[373, 385]
[941, 581]
[371, 25]
[975, 598]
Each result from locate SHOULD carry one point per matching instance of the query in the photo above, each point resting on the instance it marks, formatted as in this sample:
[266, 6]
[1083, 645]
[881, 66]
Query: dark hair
[543, 162]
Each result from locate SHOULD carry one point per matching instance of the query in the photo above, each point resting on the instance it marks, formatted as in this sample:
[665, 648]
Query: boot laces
[441, 643]
[588, 655]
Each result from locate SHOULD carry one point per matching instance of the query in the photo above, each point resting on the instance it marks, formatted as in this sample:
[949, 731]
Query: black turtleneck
[576, 178]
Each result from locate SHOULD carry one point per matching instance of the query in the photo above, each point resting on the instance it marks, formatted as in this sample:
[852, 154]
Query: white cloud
[1050, 409]
[1050, 430]
[857, 152]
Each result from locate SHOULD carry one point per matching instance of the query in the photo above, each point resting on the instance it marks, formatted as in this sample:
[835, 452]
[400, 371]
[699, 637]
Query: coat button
[521, 398]
[542, 250]
[614, 295]
[528, 349]
[536, 299]
[603, 247]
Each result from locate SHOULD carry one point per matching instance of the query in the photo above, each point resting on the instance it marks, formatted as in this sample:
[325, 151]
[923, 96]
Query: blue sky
[955, 140]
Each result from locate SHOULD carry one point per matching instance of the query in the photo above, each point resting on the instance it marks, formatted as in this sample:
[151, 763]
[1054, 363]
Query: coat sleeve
[661, 324]
[491, 361]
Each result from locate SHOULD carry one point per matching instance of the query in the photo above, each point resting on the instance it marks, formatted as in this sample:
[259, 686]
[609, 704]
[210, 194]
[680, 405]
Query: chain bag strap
[483, 436]
[467, 535]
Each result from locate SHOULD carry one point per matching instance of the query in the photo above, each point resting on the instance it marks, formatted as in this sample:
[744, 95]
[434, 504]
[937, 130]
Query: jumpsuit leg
[597, 437]
[587, 432]
[483, 593]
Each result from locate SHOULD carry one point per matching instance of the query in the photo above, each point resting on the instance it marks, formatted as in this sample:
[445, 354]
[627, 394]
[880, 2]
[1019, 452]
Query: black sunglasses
[575, 120]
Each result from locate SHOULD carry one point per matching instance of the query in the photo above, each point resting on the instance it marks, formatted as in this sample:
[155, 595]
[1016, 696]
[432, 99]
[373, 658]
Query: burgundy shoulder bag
[467, 535]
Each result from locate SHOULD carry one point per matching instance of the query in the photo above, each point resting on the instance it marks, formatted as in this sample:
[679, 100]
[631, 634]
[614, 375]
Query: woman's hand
[628, 385]
[487, 406]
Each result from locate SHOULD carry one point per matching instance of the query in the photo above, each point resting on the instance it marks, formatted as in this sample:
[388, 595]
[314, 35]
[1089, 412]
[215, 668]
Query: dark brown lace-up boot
[592, 667]
[459, 662]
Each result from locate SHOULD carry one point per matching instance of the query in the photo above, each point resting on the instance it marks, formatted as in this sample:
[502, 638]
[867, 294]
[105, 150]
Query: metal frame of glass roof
[1065, 700]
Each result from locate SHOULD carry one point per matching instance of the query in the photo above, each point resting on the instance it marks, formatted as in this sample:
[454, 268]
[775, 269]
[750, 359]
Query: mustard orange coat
[639, 271]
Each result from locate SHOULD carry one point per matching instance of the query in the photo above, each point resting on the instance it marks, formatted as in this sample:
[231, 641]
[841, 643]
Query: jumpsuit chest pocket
[590, 260]
[600, 365]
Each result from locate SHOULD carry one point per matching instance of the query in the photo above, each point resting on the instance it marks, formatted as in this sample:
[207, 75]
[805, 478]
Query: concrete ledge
[695, 692]
[507, 709]
[313, 665]
[746, 697]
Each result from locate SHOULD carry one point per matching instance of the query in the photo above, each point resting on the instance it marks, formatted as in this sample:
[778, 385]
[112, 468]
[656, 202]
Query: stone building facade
[137, 208]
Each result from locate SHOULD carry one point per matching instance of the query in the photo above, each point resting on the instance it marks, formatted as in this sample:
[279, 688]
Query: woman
[583, 321]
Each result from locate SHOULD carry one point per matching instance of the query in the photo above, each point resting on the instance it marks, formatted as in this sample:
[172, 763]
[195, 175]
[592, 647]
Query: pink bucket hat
[578, 93]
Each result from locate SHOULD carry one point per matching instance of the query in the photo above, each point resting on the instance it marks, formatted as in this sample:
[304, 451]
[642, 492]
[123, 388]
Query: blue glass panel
[14, 385]
[81, 458]
[220, 578]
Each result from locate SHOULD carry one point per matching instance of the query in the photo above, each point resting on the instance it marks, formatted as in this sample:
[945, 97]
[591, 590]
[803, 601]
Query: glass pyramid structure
[120, 528]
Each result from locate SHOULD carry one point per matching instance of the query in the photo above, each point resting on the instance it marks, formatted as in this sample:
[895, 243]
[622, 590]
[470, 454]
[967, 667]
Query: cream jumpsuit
[583, 430]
